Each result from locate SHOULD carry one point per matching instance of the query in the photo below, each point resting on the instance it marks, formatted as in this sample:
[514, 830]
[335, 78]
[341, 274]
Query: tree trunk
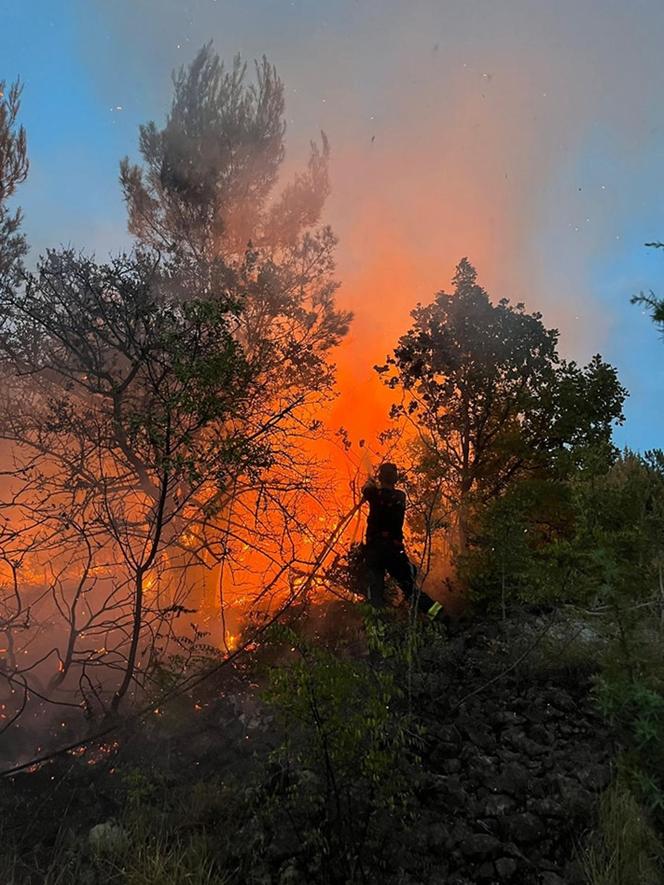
[133, 648]
[502, 594]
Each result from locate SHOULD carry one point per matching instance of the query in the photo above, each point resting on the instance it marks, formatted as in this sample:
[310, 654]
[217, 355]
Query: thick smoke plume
[509, 132]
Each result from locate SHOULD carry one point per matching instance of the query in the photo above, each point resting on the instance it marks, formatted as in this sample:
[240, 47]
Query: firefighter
[384, 548]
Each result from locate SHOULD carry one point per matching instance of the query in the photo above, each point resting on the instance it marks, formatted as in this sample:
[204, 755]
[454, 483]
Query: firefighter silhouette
[384, 546]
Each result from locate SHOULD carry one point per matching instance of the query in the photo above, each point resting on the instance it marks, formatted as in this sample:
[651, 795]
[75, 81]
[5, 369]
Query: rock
[541, 734]
[484, 740]
[108, 838]
[437, 836]
[521, 767]
[479, 845]
[498, 804]
[289, 874]
[594, 777]
[451, 766]
[513, 779]
[508, 755]
[460, 833]
[450, 791]
[508, 717]
[442, 751]
[549, 807]
[480, 768]
[448, 734]
[573, 875]
[485, 872]
[532, 748]
[576, 799]
[524, 828]
[514, 736]
[505, 867]
[489, 825]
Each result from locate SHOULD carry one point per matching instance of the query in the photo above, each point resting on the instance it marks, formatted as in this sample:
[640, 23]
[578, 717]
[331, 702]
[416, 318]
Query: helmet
[388, 473]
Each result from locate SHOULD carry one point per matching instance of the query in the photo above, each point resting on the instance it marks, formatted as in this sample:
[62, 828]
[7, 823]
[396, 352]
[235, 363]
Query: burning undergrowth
[160, 478]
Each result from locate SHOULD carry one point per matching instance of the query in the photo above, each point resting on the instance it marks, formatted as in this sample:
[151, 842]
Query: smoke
[522, 135]
[511, 133]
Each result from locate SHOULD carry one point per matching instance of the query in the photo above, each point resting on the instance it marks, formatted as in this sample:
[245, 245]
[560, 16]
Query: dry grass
[625, 850]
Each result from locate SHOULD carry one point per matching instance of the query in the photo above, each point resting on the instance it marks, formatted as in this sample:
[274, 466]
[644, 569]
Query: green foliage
[343, 763]
[650, 301]
[618, 542]
[133, 369]
[209, 173]
[127, 399]
[636, 708]
[206, 190]
[522, 546]
[591, 538]
[13, 171]
[139, 788]
[491, 396]
[194, 655]
[139, 849]
[328, 700]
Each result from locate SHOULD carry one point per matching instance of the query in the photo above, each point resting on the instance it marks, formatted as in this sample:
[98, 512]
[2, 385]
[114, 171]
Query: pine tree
[207, 189]
[13, 171]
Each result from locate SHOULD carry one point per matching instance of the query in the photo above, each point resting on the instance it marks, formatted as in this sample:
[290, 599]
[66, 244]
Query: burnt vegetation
[192, 688]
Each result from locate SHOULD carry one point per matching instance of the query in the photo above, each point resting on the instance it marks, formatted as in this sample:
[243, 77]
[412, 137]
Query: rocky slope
[512, 759]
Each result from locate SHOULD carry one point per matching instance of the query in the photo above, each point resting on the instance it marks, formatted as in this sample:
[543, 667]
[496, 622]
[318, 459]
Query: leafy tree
[623, 534]
[128, 404]
[654, 305]
[429, 514]
[621, 528]
[522, 546]
[500, 565]
[209, 187]
[490, 396]
[590, 538]
[153, 405]
[124, 402]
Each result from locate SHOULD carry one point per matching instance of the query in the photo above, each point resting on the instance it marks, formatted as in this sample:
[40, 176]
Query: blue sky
[527, 135]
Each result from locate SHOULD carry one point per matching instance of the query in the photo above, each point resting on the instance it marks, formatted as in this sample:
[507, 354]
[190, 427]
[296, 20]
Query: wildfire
[232, 641]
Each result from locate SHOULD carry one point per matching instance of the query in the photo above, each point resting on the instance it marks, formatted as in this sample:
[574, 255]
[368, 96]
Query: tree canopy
[154, 405]
[13, 171]
[653, 304]
[208, 189]
[489, 394]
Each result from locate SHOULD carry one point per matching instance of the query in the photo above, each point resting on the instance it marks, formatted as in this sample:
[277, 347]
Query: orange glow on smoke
[449, 168]
[431, 187]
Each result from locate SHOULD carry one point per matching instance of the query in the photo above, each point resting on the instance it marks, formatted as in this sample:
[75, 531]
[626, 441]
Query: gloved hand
[368, 485]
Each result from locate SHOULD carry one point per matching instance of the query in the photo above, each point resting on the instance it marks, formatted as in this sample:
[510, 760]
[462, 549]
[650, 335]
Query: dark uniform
[384, 545]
